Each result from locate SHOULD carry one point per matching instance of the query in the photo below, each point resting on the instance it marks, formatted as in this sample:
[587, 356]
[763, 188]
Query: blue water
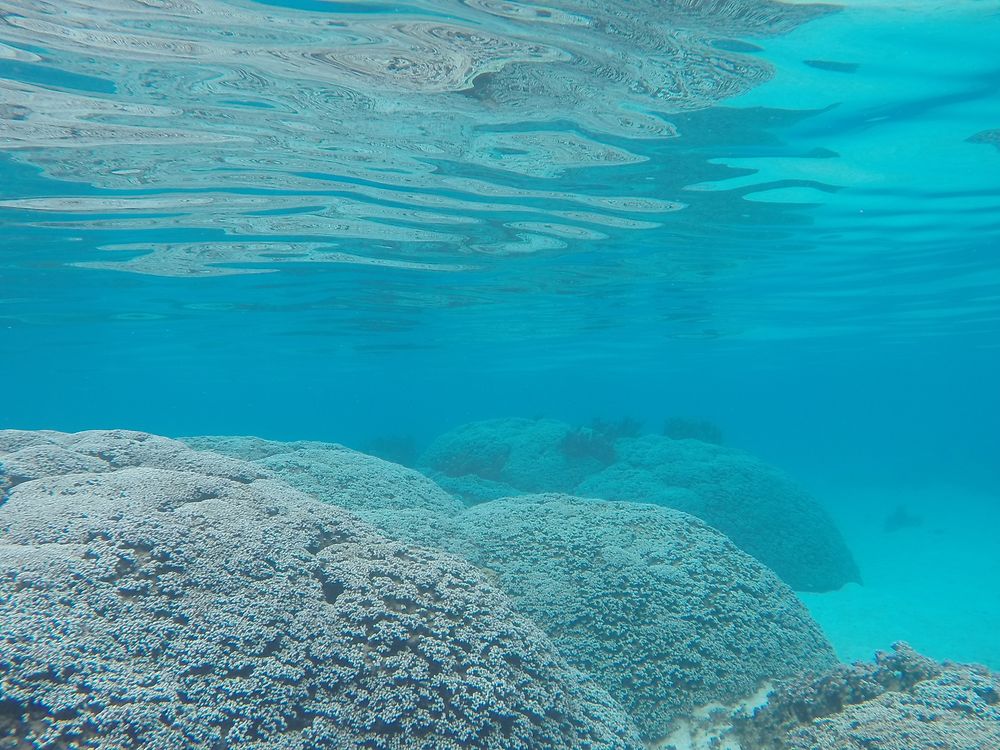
[347, 221]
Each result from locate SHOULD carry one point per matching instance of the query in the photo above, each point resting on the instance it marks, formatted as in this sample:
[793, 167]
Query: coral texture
[904, 701]
[757, 506]
[532, 455]
[170, 598]
[470, 488]
[760, 508]
[401, 502]
[663, 609]
[684, 428]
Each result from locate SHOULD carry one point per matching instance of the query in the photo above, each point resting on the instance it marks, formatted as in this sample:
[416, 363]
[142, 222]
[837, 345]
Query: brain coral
[902, 702]
[663, 609]
[169, 598]
[761, 509]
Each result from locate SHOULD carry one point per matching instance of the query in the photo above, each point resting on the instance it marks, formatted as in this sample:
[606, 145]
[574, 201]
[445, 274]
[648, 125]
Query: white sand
[936, 585]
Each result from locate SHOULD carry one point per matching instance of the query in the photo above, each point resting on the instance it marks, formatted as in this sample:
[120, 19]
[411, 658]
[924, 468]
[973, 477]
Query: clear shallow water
[345, 221]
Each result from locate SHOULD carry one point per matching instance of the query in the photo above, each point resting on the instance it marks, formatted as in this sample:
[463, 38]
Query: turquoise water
[367, 222]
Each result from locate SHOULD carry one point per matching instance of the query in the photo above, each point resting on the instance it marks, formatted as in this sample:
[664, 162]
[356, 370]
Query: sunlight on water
[488, 138]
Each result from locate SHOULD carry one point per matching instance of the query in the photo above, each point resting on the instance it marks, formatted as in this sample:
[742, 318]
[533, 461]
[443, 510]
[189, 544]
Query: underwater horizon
[683, 318]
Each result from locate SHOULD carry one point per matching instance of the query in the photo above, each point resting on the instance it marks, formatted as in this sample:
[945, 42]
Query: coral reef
[401, 502]
[902, 701]
[757, 506]
[400, 449]
[471, 488]
[688, 428]
[761, 509]
[617, 428]
[155, 596]
[584, 443]
[247, 447]
[543, 455]
[665, 611]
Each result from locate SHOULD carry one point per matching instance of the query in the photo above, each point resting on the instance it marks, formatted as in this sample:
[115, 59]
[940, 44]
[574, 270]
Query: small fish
[901, 518]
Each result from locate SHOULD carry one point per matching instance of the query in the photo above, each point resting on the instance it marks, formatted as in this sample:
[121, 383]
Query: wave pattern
[431, 137]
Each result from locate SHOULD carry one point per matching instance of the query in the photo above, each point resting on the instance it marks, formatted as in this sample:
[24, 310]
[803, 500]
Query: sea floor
[934, 584]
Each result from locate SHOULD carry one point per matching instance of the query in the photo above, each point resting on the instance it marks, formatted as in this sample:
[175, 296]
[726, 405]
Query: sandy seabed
[935, 584]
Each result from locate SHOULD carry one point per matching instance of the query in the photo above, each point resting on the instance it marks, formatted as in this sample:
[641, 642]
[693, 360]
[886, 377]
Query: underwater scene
[499, 374]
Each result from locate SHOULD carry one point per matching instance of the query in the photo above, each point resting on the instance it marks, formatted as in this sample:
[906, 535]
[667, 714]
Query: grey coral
[401, 502]
[901, 702]
[533, 455]
[664, 609]
[171, 598]
[759, 507]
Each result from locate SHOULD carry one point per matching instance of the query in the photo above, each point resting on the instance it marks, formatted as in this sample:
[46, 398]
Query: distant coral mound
[903, 701]
[761, 509]
[757, 506]
[533, 455]
[400, 449]
[685, 428]
[664, 610]
[155, 596]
